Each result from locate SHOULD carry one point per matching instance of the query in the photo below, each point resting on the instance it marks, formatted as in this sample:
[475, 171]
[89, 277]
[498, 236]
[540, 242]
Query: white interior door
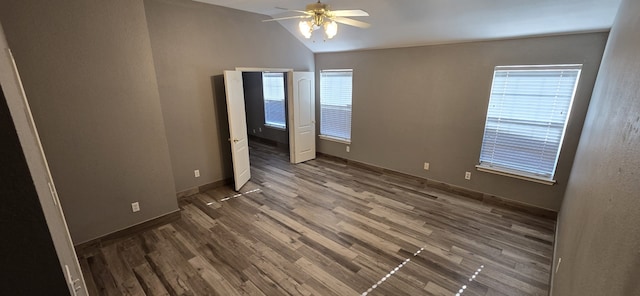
[302, 116]
[237, 128]
[39, 169]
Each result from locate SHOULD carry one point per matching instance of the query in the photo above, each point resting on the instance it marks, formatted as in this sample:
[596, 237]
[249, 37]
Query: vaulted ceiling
[399, 23]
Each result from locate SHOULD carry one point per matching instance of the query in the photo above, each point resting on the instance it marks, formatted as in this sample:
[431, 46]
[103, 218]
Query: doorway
[299, 103]
[265, 99]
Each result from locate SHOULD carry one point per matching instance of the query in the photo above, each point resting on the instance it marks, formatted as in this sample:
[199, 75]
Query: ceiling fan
[319, 15]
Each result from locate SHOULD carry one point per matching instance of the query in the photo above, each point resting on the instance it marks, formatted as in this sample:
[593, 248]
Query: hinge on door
[54, 195]
[75, 284]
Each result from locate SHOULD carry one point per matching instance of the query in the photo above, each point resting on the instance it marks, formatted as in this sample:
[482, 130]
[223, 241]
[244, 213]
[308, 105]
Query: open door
[302, 116]
[18, 106]
[237, 128]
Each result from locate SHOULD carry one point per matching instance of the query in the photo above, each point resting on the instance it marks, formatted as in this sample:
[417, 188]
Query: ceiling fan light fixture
[331, 29]
[319, 16]
[306, 28]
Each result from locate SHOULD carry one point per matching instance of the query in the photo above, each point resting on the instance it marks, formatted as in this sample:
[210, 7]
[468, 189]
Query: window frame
[523, 174]
[328, 136]
[266, 123]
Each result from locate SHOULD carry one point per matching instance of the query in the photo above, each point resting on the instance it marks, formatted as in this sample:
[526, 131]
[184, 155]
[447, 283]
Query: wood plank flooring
[326, 228]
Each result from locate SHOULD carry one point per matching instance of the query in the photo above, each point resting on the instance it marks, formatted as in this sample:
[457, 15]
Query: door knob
[235, 140]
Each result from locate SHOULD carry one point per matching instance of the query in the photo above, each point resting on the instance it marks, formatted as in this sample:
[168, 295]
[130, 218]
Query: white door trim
[253, 69]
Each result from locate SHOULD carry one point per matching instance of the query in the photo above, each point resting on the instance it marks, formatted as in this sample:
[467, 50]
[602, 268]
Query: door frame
[253, 69]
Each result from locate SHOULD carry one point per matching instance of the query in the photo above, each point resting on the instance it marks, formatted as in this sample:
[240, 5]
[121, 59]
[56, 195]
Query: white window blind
[335, 103]
[273, 92]
[528, 111]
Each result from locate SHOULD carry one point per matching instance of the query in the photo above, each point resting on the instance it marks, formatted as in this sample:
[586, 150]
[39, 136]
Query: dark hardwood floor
[326, 228]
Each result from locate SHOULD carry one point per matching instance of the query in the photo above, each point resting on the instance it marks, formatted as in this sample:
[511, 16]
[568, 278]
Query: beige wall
[598, 236]
[88, 74]
[192, 42]
[428, 104]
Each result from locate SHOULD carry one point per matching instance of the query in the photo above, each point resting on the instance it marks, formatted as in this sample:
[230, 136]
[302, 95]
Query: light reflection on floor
[397, 279]
[473, 277]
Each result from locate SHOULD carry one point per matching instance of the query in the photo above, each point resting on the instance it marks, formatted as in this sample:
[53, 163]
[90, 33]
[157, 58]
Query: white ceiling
[399, 23]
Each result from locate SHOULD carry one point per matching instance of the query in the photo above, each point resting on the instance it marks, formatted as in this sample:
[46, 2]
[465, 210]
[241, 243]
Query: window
[528, 111]
[273, 92]
[335, 104]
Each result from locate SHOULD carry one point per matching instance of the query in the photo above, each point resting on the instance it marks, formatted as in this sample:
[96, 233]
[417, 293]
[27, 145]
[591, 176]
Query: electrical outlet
[467, 175]
[426, 166]
[348, 149]
[254, 130]
[135, 207]
[196, 173]
[260, 129]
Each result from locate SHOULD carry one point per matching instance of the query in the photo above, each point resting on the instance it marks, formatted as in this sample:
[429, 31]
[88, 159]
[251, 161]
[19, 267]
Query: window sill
[515, 174]
[273, 126]
[334, 139]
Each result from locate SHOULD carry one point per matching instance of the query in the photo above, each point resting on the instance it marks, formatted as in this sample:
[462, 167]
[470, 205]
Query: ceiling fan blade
[353, 12]
[292, 10]
[300, 11]
[286, 18]
[351, 22]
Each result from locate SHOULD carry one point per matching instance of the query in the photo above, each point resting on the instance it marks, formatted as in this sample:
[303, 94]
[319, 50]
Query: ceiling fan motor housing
[319, 12]
[318, 7]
